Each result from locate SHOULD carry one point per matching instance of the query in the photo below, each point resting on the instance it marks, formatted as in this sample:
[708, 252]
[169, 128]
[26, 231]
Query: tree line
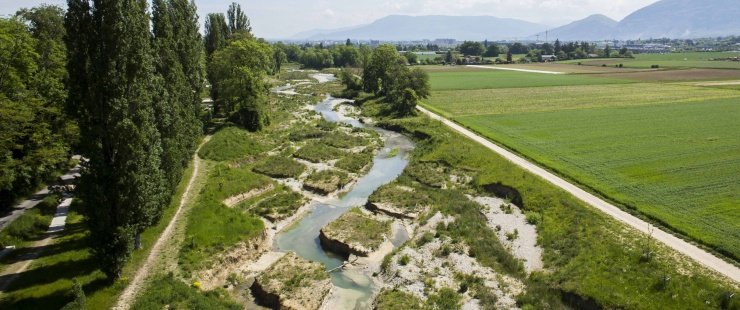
[36, 135]
[134, 88]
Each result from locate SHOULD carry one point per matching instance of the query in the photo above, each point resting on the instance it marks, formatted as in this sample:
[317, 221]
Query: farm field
[537, 99]
[675, 75]
[671, 60]
[489, 79]
[671, 151]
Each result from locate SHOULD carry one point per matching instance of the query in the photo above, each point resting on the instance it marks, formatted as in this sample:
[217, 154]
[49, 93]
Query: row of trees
[134, 88]
[36, 136]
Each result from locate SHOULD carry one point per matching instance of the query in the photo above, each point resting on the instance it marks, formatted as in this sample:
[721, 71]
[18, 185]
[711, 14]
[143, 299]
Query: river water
[354, 289]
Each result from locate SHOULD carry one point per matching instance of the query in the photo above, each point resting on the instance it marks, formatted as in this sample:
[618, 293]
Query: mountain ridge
[678, 19]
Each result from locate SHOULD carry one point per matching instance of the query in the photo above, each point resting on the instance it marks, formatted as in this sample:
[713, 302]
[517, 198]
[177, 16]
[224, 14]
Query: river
[354, 290]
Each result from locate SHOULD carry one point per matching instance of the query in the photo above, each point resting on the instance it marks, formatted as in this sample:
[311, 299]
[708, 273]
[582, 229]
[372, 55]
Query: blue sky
[283, 18]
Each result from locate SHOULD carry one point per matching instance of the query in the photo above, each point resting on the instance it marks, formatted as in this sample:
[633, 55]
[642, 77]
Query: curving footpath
[671, 241]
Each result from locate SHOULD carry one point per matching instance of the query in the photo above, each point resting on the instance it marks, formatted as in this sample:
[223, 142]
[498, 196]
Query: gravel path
[129, 294]
[672, 241]
[24, 260]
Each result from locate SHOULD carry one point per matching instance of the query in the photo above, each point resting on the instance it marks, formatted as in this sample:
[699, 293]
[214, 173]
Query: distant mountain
[311, 33]
[592, 28]
[399, 28]
[682, 19]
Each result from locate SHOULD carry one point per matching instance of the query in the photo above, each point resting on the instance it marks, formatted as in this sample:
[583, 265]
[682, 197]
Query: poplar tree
[124, 188]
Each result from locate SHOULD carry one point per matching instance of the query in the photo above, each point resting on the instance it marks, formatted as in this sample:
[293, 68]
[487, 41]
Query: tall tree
[470, 48]
[124, 189]
[558, 48]
[216, 33]
[238, 21]
[377, 77]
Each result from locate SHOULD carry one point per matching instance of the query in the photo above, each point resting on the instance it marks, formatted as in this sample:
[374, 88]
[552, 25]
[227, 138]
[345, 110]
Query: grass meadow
[669, 151]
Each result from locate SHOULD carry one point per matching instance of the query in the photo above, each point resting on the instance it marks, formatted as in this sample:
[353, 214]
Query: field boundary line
[703, 257]
[514, 69]
[132, 289]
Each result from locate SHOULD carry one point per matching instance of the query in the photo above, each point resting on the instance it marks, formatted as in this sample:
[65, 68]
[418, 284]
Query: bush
[404, 260]
[317, 153]
[655, 66]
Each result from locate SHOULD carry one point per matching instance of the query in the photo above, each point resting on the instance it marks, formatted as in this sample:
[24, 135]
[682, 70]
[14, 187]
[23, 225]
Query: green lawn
[494, 79]
[677, 163]
[538, 99]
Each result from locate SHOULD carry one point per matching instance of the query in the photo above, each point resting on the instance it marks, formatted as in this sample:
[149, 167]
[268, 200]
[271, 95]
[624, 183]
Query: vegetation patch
[397, 201]
[232, 143]
[292, 283]
[326, 181]
[172, 293]
[31, 224]
[343, 140]
[225, 181]
[356, 162]
[397, 300]
[355, 233]
[280, 167]
[280, 206]
[318, 153]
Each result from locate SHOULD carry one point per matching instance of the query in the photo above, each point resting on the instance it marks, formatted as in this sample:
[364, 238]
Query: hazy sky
[283, 18]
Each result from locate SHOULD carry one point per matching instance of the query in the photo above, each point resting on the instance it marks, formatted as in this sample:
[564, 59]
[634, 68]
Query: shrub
[404, 260]
[317, 153]
[231, 143]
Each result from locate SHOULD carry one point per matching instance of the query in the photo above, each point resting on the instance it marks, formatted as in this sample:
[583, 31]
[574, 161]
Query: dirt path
[671, 241]
[129, 294]
[29, 255]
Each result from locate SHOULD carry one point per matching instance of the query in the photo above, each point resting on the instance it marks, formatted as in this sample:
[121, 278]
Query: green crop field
[537, 99]
[493, 79]
[678, 163]
[670, 151]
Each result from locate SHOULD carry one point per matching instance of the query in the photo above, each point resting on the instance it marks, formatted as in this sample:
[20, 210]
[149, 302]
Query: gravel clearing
[427, 266]
[525, 245]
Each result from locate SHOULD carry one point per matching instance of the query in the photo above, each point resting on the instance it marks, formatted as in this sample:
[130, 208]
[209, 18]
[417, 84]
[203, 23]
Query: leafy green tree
[279, 56]
[124, 189]
[558, 47]
[239, 73]
[493, 51]
[509, 57]
[470, 48]
[448, 57]
[35, 135]
[608, 51]
[411, 57]
[366, 54]
[547, 49]
[519, 48]
[377, 77]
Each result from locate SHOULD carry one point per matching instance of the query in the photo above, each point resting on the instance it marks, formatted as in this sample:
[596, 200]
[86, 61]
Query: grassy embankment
[661, 149]
[585, 252]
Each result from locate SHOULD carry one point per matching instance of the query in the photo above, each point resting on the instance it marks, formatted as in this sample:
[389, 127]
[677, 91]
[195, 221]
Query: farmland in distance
[669, 150]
